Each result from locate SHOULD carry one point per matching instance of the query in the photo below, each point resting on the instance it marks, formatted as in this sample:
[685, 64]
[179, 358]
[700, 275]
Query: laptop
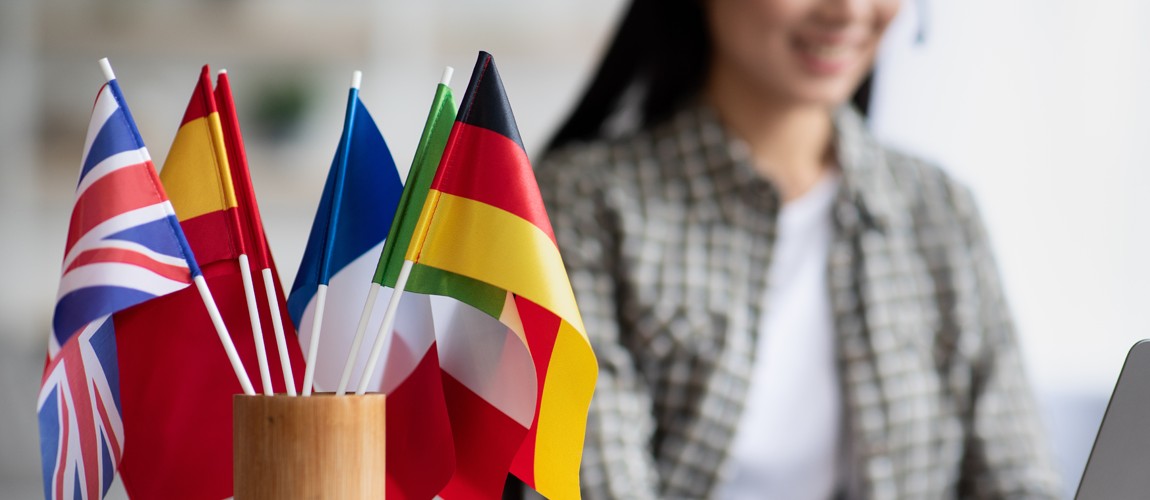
[1119, 464]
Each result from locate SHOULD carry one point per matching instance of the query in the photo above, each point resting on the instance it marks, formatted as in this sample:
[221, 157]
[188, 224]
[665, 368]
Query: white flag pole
[257, 325]
[353, 354]
[313, 345]
[106, 67]
[445, 79]
[278, 326]
[225, 337]
[384, 334]
[325, 256]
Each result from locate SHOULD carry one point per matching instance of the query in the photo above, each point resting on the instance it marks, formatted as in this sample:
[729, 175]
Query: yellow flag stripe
[419, 234]
[494, 246]
[567, 393]
[196, 174]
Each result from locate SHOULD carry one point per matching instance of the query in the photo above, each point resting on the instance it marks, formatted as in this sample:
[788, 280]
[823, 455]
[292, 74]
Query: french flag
[351, 225]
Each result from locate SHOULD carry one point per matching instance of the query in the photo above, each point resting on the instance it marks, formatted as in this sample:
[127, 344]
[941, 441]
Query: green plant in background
[280, 106]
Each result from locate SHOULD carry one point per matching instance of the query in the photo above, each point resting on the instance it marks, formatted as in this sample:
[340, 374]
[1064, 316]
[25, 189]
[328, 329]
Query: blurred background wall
[1041, 107]
[1035, 103]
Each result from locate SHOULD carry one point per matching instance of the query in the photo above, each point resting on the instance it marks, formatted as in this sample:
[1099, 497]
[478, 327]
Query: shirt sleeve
[617, 461]
[1006, 452]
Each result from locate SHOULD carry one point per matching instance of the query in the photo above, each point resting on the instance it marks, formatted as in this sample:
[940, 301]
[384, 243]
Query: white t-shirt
[787, 444]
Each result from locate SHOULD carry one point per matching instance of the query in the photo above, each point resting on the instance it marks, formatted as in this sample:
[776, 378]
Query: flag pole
[368, 308]
[329, 240]
[250, 298]
[383, 336]
[313, 345]
[106, 67]
[225, 337]
[278, 326]
[257, 325]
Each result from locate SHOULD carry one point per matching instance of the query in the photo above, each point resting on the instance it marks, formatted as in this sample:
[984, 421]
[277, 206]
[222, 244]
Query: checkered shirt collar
[869, 198]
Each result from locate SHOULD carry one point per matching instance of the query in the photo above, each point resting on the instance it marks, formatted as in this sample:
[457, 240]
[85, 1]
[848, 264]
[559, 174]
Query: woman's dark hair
[662, 50]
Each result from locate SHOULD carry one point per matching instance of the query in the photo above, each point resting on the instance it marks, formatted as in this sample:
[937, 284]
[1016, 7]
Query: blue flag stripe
[103, 343]
[109, 140]
[339, 182]
[155, 236]
[108, 468]
[49, 417]
[82, 306]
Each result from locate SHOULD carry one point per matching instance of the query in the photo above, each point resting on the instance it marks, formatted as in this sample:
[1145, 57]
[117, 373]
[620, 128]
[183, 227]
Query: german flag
[486, 239]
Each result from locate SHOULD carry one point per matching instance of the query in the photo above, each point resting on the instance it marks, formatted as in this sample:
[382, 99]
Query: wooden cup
[317, 447]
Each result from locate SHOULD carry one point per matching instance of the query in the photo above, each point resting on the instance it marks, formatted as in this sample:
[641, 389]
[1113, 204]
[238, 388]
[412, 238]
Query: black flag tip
[485, 103]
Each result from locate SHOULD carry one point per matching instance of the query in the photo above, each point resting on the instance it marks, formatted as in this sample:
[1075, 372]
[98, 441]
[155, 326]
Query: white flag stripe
[51, 380]
[413, 336]
[109, 165]
[357, 339]
[105, 105]
[91, 362]
[486, 356]
[53, 348]
[347, 287]
[117, 274]
[122, 222]
[347, 291]
[140, 249]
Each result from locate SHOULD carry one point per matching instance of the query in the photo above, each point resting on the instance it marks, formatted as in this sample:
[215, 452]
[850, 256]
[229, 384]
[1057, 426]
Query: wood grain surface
[317, 447]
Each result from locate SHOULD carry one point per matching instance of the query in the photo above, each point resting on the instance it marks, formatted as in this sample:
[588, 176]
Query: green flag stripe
[419, 177]
[477, 294]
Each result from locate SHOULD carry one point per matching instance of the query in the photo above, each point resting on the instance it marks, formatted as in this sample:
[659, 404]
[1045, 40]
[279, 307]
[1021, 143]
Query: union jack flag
[124, 247]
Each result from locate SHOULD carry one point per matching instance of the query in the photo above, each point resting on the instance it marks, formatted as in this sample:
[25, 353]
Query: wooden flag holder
[320, 446]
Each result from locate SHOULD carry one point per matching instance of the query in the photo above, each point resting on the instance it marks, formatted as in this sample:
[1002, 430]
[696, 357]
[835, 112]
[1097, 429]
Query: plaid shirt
[667, 235]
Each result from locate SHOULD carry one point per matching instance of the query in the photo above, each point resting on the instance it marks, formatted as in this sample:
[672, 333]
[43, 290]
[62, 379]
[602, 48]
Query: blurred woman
[781, 306]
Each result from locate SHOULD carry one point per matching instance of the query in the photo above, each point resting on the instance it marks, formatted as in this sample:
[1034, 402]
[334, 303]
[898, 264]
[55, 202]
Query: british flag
[124, 247]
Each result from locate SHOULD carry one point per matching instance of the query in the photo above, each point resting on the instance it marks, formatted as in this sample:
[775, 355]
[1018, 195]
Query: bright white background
[1039, 105]
[1042, 107]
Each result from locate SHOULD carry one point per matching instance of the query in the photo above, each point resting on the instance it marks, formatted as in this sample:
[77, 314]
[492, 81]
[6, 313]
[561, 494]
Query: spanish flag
[176, 381]
[198, 175]
[517, 390]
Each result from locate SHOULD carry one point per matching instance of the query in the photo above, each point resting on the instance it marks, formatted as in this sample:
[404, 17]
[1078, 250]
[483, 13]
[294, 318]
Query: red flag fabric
[176, 381]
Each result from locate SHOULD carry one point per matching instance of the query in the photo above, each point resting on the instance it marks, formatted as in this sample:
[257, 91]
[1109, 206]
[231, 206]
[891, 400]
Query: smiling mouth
[826, 59]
